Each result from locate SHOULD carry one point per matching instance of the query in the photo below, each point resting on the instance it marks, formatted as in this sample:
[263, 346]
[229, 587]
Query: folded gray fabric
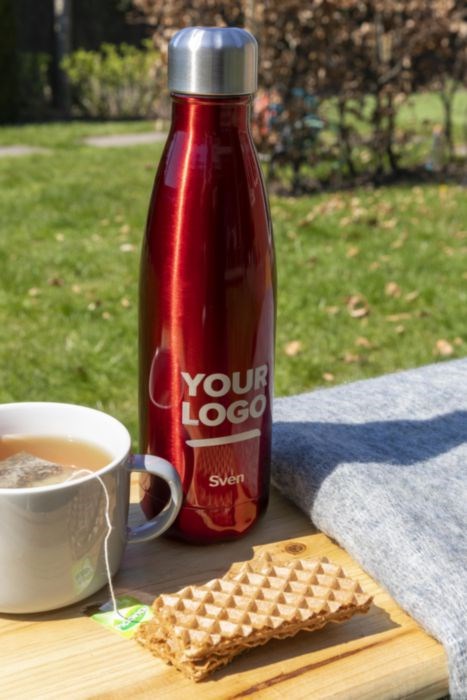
[381, 466]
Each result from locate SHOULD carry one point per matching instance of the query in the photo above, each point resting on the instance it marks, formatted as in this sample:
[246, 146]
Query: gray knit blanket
[380, 465]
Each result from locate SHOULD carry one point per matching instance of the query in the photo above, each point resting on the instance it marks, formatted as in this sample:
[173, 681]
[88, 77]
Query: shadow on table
[152, 566]
[360, 627]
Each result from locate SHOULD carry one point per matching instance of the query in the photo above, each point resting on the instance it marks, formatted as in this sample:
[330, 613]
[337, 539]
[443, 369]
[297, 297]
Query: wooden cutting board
[66, 654]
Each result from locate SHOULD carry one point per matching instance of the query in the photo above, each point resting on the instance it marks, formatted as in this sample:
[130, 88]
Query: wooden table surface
[67, 655]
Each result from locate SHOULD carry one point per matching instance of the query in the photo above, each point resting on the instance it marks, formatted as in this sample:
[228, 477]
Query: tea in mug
[35, 460]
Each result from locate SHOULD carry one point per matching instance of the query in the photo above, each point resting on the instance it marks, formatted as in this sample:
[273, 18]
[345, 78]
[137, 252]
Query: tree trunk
[296, 178]
[62, 37]
[390, 129]
[447, 98]
[250, 16]
[377, 136]
[344, 132]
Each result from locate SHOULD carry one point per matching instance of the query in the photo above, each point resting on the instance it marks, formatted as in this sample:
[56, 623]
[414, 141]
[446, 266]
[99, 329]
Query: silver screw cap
[213, 61]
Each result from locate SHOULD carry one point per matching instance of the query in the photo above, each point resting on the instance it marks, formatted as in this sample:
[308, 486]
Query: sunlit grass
[369, 281]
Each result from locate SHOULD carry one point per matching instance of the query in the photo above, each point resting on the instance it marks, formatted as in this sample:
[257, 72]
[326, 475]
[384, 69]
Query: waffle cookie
[201, 628]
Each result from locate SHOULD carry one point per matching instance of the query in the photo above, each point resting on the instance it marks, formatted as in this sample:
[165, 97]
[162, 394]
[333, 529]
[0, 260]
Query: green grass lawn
[420, 115]
[422, 112]
[419, 112]
[370, 281]
[67, 134]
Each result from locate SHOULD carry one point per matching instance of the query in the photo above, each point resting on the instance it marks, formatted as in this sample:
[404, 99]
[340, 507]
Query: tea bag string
[75, 475]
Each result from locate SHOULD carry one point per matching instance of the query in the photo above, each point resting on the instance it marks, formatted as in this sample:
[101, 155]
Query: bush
[359, 61]
[117, 82]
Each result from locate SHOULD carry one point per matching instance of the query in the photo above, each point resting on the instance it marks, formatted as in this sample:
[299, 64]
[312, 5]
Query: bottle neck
[211, 114]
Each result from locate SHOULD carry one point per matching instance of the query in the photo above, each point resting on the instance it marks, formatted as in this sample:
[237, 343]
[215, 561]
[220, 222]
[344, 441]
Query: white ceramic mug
[52, 537]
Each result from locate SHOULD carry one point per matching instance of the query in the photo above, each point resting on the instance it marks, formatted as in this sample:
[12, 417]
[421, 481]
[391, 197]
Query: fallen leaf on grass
[357, 306]
[352, 251]
[411, 296]
[363, 342]
[389, 223]
[34, 292]
[443, 348]
[328, 206]
[458, 341]
[125, 229]
[332, 310]
[358, 213]
[400, 329]
[399, 242]
[351, 357]
[126, 303]
[392, 289]
[293, 347]
[328, 376]
[385, 208]
[55, 282]
[374, 265]
[443, 191]
[395, 318]
[127, 247]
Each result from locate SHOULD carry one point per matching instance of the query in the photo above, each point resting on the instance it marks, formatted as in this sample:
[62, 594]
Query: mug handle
[159, 467]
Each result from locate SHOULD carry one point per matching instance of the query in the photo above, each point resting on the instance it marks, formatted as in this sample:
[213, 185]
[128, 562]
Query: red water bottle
[207, 294]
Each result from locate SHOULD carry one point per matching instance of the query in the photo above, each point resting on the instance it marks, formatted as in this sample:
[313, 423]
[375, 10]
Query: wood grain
[382, 655]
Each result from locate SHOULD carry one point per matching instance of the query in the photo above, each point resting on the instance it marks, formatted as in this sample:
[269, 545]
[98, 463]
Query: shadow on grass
[456, 173]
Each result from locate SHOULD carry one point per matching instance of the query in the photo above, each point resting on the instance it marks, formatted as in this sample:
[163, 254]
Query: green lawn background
[370, 281]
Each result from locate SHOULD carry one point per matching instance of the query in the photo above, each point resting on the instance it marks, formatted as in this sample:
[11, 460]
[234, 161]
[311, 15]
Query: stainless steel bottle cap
[213, 61]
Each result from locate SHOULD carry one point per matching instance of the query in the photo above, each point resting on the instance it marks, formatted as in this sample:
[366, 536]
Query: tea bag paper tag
[132, 614]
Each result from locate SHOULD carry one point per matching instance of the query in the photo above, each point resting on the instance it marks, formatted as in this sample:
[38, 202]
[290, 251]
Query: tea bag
[24, 470]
